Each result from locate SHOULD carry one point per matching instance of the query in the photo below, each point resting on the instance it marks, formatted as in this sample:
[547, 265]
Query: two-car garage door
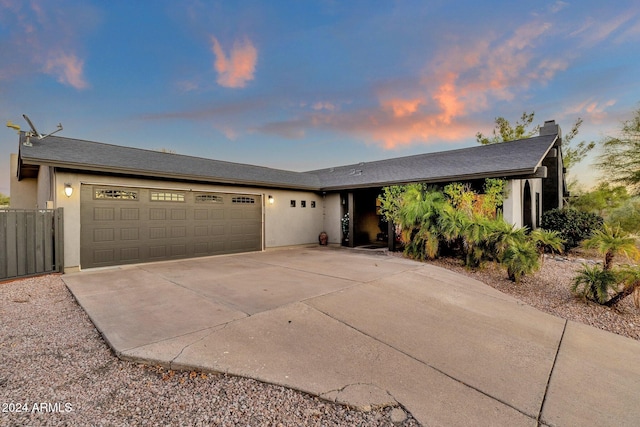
[123, 225]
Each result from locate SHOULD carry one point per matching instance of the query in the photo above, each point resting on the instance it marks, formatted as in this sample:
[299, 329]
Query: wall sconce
[271, 201]
[68, 190]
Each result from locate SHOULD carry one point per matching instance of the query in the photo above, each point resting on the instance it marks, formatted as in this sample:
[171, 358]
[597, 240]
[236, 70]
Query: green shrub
[573, 226]
[594, 283]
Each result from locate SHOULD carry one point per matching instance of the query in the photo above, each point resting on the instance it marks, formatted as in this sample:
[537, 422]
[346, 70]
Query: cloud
[463, 79]
[67, 68]
[42, 40]
[235, 70]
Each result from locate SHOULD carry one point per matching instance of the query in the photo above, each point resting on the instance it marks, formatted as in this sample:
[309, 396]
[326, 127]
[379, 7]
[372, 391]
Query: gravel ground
[56, 370]
[548, 290]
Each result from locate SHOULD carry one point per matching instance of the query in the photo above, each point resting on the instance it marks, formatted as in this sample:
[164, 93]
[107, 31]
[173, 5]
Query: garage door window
[114, 194]
[209, 198]
[246, 200]
[166, 196]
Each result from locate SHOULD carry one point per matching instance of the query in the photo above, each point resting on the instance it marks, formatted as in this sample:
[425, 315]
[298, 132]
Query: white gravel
[55, 369]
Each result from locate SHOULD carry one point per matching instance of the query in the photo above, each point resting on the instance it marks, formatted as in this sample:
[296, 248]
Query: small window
[209, 198]
[293, 204]
[113, 194]
[166, 196]
[243, 199]
[303, 203]
[313, 203]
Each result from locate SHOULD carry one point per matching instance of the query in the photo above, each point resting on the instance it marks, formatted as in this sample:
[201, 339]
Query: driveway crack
[553, 366]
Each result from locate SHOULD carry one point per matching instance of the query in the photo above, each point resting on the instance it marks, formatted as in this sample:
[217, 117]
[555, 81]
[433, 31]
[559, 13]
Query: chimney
[550, 128]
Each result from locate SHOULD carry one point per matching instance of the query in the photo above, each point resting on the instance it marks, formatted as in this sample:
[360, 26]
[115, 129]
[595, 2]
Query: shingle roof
[94, 156]
[496, 160]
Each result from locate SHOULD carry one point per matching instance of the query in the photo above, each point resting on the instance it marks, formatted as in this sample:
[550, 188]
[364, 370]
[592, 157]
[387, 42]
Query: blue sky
[302, 85]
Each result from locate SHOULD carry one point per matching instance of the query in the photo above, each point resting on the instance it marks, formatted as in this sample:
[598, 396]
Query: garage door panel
[130, 225]
[157, 214]
[130, 233]
[129, 214]
[104, 214]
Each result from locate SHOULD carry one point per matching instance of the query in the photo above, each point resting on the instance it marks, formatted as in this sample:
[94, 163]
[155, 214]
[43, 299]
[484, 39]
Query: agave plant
[594, 283]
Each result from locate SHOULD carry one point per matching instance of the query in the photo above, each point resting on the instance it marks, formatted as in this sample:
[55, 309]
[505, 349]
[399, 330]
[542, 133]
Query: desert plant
[629, 278]
[418, 219]
[503, 236]
[520, 258]
[546, 240]
[612, 241]
[594, 283]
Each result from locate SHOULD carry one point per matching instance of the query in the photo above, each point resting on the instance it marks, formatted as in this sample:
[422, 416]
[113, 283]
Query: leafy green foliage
[620, 158]
[572, 225]
[461, 221]
[594, 283]
[4, 200]
[601, 200]
[504, 131]
[627, 216]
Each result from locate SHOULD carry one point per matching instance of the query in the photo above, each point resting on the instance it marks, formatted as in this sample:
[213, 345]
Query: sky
[303, 85]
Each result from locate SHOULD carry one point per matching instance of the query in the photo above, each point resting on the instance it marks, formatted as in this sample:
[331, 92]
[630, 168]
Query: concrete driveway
[367, 329]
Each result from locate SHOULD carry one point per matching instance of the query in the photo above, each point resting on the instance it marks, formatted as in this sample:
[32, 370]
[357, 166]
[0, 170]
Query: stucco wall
[23, 193]
[512, 204]
[286, 225]
[512, 208]
[44, 187]
[283, 225]
[332, 215]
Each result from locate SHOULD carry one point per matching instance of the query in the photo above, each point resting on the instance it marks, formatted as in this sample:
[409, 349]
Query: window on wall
[293, 204]
[313, 203]
[303, 203]
[115, 194]
[166, 196]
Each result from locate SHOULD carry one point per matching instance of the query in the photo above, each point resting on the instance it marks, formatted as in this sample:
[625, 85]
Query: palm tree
[505, 235]
[594, 283]
[629, 277]
[546, 240]
[520, 258]
[612, 241]
[452, 224]
[418, 216]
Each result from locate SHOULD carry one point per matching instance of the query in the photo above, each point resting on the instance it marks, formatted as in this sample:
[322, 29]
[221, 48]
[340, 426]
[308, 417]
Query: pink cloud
[67, 68]
[235, 70]
[34, 30]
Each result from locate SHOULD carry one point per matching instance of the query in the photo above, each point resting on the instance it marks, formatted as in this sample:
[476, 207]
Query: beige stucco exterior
[283, 225]
[24, 194]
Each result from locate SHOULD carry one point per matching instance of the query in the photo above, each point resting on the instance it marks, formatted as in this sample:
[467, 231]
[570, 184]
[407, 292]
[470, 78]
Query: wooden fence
[31, 242]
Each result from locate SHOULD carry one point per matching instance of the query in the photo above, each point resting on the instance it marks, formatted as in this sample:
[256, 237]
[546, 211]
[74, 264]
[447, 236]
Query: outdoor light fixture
[68, 190]
[270, 199]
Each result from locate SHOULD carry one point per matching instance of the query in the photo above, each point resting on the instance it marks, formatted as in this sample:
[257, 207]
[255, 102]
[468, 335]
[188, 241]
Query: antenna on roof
[34, 132]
